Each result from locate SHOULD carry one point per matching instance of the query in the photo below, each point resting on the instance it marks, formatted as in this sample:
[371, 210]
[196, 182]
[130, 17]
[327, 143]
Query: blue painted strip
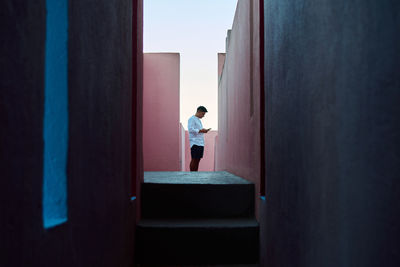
[262, 198]
[133, 198]
[55, 123]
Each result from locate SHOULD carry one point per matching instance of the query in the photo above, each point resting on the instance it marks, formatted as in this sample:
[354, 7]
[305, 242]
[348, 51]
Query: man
[196, 137]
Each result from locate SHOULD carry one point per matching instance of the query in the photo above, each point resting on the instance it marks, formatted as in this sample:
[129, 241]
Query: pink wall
[182, 147]
[161, 127]
[208, 160]
[187, 151]
[239, 138]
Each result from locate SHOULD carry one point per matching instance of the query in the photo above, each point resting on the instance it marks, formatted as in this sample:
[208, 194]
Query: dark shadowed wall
[332, 83]
[101, 217]
[137, 100]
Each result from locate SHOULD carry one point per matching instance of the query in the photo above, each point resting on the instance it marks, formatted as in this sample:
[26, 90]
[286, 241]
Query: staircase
[197, 218]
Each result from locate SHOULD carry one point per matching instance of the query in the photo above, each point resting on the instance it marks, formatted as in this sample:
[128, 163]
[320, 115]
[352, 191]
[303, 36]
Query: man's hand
[204, 130]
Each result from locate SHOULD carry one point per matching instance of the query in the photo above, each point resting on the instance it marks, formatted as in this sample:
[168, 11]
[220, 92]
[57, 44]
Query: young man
[196, 138]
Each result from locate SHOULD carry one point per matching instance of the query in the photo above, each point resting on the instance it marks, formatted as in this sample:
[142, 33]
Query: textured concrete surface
[197, 200]
[197, 218]
[196, 195]
[100, 97]
[137, 101]
[263, 220]
[100, 226]
[333, 133]
[200, 244]
[22, 51]
[221, 177]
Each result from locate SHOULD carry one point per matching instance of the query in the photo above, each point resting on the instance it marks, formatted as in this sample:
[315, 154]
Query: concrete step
[196, 195]
[201, 241]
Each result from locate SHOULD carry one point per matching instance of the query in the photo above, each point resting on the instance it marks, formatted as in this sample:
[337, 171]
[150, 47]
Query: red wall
[239, 138]
[161, 128]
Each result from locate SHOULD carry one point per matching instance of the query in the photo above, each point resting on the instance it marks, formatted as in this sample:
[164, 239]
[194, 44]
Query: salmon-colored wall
[182, 147]
[187, 152]
[161, 127]
[239, 138]
[208, 161]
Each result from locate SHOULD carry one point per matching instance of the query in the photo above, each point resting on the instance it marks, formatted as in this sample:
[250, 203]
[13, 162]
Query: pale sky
[196, 29]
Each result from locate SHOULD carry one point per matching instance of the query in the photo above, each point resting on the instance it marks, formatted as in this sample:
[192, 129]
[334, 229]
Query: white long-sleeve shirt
[194, 126]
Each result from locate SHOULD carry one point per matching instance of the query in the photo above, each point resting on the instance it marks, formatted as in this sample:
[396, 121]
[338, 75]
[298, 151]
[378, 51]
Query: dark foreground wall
[332, 71]
[99, 229]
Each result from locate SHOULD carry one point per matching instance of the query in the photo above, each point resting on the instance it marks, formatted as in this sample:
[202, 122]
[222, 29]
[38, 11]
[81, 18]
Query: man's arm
[192, 127]
[194, 130]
